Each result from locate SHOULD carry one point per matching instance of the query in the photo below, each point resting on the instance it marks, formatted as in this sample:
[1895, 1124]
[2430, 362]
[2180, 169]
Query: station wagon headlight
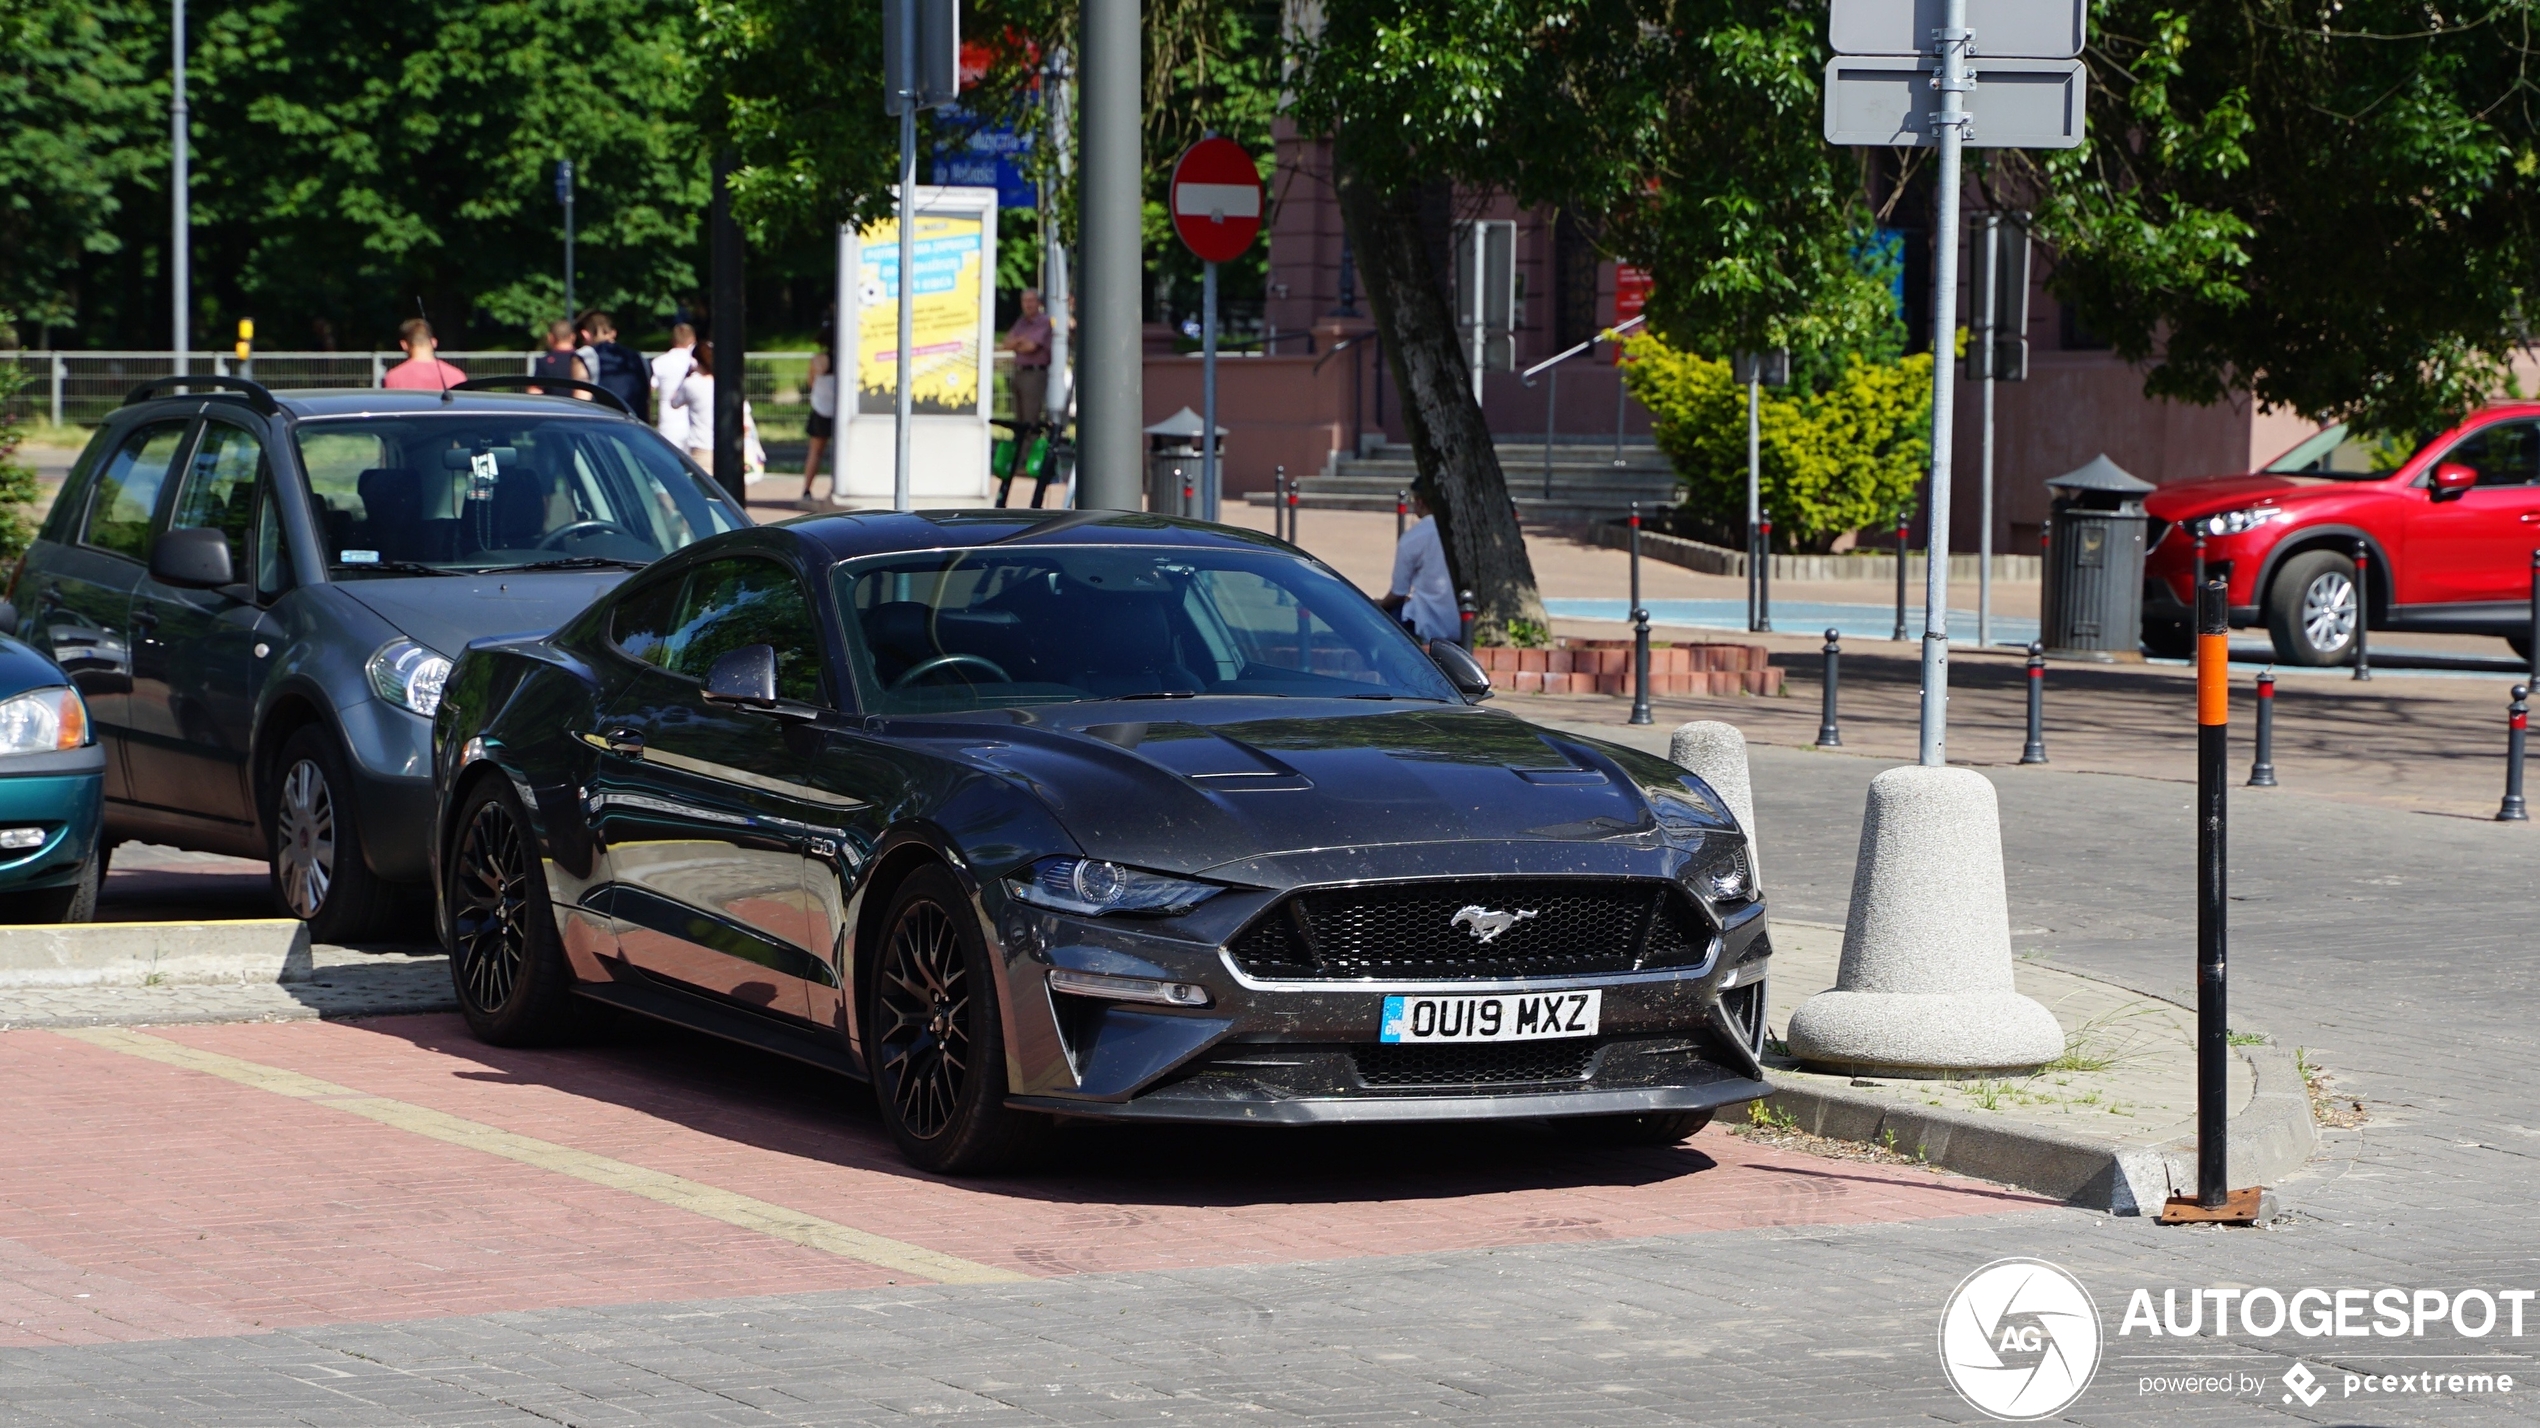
[2230, 523]
[409, 676]
[43, 721]
[1092, 887]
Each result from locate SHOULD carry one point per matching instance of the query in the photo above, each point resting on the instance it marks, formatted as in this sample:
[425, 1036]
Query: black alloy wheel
[506, 963]
[937, 1047]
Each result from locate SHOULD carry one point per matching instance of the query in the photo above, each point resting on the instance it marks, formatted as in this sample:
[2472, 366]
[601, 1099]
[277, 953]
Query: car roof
[314, 402]
[848, 534]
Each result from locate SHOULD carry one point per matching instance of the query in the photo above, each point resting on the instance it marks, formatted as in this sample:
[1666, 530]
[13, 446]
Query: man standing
[1029, 341]
[671, 369]
[422, 371]
[615, 366]
[1422, 595]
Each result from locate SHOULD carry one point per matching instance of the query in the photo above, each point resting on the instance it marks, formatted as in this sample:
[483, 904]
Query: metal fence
[80, 388]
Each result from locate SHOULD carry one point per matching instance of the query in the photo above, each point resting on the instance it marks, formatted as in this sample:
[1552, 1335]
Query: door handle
[2530, 518]
[143, 621]
[623, 741]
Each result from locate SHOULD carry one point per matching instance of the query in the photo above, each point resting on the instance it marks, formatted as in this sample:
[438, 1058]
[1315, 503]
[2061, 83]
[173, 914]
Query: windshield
[945, 630]
[2343, 455]
[466, 491]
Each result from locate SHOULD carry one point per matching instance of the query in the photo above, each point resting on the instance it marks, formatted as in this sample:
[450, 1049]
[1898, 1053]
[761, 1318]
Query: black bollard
[1764, 578]
[1640, 632]
[2034, 752]
[1296, 507]
[1401, 511]
[2262, 769]
[1465, 614]
[2534, 635]
[1829, 733]
[2363, 609]
[2198, 582]
[1904, 528]
[2213, 747]
[1279, 502]
[2517, 719]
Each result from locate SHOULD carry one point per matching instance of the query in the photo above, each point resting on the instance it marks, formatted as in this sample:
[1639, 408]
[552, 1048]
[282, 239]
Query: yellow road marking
[743, 1211]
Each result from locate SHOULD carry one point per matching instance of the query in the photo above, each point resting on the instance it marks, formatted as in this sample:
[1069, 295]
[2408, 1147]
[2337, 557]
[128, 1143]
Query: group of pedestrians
[675, 391]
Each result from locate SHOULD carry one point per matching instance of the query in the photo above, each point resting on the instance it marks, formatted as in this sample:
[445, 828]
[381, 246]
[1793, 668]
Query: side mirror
[2452, 480]
[195, 558]
[1460, 668]
[744, 676]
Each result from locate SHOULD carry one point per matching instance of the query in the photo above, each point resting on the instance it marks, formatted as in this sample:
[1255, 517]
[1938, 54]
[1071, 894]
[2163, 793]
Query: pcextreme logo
[2019, 1339]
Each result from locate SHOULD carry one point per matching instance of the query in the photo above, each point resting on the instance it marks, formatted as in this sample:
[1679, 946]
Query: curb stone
[2270, 1138]
[149, 954]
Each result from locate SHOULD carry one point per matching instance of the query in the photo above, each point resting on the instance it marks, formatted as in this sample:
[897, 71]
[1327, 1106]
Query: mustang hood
[447, 611]
[1186, 785]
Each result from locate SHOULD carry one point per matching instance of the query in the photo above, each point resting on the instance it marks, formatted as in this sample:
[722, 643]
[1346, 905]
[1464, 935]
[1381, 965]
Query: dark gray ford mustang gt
[1038, 815]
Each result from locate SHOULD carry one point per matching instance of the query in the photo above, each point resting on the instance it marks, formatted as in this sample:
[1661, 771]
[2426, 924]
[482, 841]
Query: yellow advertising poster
[951, 269]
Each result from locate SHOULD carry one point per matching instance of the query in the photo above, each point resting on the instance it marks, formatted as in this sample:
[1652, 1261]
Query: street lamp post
[180, 239]
[564, 195]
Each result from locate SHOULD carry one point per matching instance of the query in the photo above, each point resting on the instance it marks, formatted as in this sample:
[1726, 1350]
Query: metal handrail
[1340, 347]
[1552, 393]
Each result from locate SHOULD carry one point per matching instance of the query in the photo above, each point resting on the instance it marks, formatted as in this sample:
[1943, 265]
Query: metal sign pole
[1954, 41]
[564, 195]
[1208, 474]
[1754, 488]
[181, 236]
[903, 406]
[1992, 359]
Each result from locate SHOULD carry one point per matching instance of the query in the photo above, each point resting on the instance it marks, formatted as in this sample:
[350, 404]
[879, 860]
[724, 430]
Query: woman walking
[695, 398]
[824, 419]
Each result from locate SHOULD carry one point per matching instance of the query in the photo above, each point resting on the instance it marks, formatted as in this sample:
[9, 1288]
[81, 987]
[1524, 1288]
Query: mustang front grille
[1473, 929]
[1519, 1063]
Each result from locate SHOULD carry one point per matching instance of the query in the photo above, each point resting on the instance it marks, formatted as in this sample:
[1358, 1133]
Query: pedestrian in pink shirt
[421, 371]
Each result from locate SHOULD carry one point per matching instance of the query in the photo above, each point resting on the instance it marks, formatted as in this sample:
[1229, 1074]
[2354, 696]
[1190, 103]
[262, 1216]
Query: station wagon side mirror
[194, 558]
[2452, 480]
[1460, 668]
[746, 676]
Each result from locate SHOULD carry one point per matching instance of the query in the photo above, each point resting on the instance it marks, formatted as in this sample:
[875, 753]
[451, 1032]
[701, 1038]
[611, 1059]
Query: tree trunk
[1459, 464]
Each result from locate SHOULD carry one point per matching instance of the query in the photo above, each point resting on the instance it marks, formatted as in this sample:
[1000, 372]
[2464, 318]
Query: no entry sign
[1216, 200]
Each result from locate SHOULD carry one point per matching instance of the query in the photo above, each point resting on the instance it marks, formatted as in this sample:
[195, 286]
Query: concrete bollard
[1716, 754]
[1924, 989]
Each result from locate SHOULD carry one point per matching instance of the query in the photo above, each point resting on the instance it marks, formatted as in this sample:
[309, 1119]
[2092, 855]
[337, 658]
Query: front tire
[1661, 1128]
[319, 874]
[2169, 639]
[76, 902]
[506, 963]
[936, 1043]
[2312, 610]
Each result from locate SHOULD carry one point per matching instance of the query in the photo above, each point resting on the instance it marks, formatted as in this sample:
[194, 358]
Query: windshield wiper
[1159, 694]
[392, 567]
[570, 562]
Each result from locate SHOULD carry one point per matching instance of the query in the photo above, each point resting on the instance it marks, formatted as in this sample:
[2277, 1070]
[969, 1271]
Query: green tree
[18, 490]
[80, 125]
[2326, 205]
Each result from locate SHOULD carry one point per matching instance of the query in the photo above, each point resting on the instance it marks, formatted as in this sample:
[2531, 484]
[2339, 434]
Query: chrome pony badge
[1486, 924]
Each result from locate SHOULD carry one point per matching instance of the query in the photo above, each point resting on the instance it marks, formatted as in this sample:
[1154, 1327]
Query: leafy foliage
[2328, 205]
[18, 489]
[80, 125]
[1834, 459]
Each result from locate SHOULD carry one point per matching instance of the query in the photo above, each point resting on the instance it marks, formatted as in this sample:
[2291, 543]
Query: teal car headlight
[1091, 887]
[43, 721]
[409, 676]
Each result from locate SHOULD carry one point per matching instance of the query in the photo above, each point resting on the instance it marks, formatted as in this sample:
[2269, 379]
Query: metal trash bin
[2094, 565]
[1173, 462]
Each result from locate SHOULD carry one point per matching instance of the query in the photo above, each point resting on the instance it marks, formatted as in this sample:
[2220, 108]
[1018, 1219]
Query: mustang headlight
[1091, 887]
[1721, 873]
[2229, 523]
[43, 721]
[409, 676]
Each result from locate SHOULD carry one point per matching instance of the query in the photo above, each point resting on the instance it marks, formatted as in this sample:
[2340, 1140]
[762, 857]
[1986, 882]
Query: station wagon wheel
[934, 1040]
[489, 898]
[506, 962]
[319, 873]
[2312, 609]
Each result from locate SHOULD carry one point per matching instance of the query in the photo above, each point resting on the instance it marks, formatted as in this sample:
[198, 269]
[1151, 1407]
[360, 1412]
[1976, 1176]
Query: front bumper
[63, 794]
[1307, 1051]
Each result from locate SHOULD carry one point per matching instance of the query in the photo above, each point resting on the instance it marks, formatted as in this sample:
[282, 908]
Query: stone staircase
[1587, 485]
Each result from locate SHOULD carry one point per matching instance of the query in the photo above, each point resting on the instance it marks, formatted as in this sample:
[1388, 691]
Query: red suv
[2451, 528]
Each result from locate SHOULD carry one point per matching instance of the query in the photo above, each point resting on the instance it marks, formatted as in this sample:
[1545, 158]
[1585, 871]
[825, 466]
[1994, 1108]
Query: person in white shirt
[693, 400]
[1423, 592]
[669, 370]
[824, 419]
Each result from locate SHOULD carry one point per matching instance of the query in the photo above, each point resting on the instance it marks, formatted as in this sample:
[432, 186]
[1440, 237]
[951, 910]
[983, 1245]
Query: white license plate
[1513, 1016]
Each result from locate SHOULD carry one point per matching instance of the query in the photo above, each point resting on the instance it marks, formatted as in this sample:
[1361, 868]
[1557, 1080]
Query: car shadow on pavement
[769, 1103]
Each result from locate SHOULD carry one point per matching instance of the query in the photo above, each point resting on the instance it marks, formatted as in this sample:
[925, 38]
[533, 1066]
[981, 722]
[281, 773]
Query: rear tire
[2312, 610]
[935, 1042]
[76, 902]
[319, 874]
[506, 963]
[1649, 1128]
[2169, 639]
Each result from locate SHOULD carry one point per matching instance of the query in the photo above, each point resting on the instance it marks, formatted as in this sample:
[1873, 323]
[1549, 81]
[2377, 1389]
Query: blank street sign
[2004, 29]
[1888, 101]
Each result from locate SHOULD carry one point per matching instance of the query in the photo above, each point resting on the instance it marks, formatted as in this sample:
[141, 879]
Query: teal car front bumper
[62, 796]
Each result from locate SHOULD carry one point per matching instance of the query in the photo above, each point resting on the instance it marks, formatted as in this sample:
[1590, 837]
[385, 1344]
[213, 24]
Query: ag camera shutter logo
[2020, 1339]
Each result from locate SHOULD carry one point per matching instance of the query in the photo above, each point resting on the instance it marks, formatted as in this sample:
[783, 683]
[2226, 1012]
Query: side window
[641, 624]
[61, 524]
[128, 489]
[731, 604]
[2506, 454]
[220, 489]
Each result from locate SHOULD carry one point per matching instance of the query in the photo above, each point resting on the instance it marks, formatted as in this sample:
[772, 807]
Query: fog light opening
[1127, 989]
[18, 838]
